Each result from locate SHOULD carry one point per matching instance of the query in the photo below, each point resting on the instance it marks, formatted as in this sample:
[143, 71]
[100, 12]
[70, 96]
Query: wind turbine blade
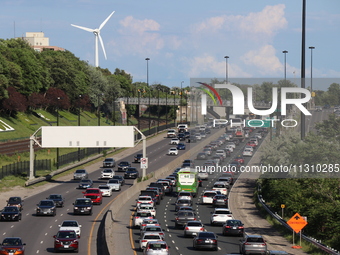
[84, 28]
[103, 24]
[102, 44]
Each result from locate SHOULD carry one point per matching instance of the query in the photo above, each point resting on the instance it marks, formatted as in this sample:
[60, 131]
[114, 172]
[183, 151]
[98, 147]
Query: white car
[221, 152]
[221, 186]
[173, 151]
[220, 216]
[207, 196]
[147, 208]
[114, 184]
[247, 147]
[247, 153]
[230, 148]
[107, 173]
[144, 199]
[106, 190]
[198, 136]
[70, 225]
[139, 217]
[203, 175]
[148, 237]
[231, 144]
[174, 141]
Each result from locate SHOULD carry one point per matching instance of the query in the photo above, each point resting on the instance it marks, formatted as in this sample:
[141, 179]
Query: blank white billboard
[87, 136]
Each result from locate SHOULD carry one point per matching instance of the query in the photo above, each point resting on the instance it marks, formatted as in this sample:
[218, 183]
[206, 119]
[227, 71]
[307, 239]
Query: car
[208, 195]
[232, 144]
[114, 184]
[203, 134]
[230, 148]
[181, 136]
[107, 173]
[203, 175]
[146, 207]
[171, 133]
[258, 136]
[221, 152]
[240, 159]
[58, 199]
[205, 240]
[70, 225]
[137, 158]
[123, 166]
[226, 179]
[181, 146]
[184, 195]
[82, 206]
[247, 153]
[46, 207]
[234, 165]
[119, 178]
[139, 216]
[156, 247]
[253, 244]
[152, 228]
[10, 213]
[148, 222]
[167, 185]
[144, 199]
[80, 174]
[183, 217]
[182, 202]
[220, 200]
[252, 144]
[198, 136]
[16, 201]
[233, 227]
[193, 227]
[201, 155]
[105, 190]
[94, 194]
[66, 240]
[192, 139]
[131, 173]
[220, 216]
[109, 162]
[207, 151]
[174, 141]
[12, 245]
[185, 208]
[277, 252]
[173, 151]
[85, 183]
[255, 140]
[147, 237]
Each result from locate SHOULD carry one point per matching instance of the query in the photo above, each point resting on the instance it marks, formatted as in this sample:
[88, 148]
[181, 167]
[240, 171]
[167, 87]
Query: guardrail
[309, 239]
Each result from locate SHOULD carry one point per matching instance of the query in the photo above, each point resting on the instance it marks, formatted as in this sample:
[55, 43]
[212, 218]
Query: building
[39, 42]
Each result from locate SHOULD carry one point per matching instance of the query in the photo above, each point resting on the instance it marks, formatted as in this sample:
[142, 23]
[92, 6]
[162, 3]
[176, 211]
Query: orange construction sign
[297, 222]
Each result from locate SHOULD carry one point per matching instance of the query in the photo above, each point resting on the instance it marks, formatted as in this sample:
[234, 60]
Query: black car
[187, 134]
[137, 158]
[220, 200]
[201, 155]
[46, 207]
[131, 173]
[233, 227]
[208, 131]
[123, 166]
[16, 201]
[181, 136]
[192, 139]
[82, 206]
[58, 199]
[85, 183]
[205, 240]
[183, 217]
[10, 213]
[119, 178]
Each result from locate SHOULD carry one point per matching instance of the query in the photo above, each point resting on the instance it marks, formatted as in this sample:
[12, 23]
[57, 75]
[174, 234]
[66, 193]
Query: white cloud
[264, 59]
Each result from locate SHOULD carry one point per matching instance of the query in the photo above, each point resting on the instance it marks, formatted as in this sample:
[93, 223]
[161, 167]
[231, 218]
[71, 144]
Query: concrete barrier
[134, 190]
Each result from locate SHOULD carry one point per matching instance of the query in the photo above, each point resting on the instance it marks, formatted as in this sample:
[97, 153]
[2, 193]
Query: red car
[12, 245]
[252, 144]
[239, 159]
[66, 240]
[95, 195]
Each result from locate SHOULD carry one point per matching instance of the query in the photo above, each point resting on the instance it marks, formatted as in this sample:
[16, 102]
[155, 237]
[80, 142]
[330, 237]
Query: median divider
[126, 195]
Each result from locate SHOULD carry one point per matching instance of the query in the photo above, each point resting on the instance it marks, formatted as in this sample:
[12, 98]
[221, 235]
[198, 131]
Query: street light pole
[180, 104]
[158, 111]
[79, 125]
[303, 51]
[58, 125]
[311, 72]
[175, 112]
[285, 71]
[166, 108]
[147, 82]
[138, 112]
[226, 68]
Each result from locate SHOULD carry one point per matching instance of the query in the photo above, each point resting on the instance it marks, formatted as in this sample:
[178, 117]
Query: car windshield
[255, 240]
[96, 191]
[157, 246]
[86, 181]
[69, 224]
[107, 171]
[222, 212]
[124, 163]
[66, 234]
[104, 187]
[10, 209]
[206, 235]
[12, 242]
[209, 194]
[46, 203]
[80, 171]
[14, 200]
[143, 214]
[55, 196]
[194, 224]
[113, 181]
[185, 214]
[83, 202]
[234, 223]
[109, 159]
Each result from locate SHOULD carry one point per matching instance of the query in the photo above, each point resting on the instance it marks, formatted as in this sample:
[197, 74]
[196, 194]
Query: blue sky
[187, 39]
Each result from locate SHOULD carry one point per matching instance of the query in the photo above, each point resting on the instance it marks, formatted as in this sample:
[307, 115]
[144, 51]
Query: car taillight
[214, 215]
[199, 240]
[263, 244]
[194, 218]
[205, 196]
[176, 218]
[202, 229]
[247, 244]
[227, 226]
[137, 217]
[143, 241]
[75, 241]
[186, 228]
[229, 215]
[241, 227]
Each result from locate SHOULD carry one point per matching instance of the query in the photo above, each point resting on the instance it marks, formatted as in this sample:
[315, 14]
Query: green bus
[187, 181]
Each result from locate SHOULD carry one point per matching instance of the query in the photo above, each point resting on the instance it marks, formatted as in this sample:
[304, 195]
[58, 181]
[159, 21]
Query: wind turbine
[96, 32]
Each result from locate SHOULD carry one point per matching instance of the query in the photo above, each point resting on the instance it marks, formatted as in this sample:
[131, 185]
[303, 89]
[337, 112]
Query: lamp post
[147, 82]
[303, 51]
[57, 163]
[79, 125]
[180, 104]
[285, 69]
[158, 110]
[175, 112]
[138, 112]
[311, 72]
[166, 108]
[226, 68]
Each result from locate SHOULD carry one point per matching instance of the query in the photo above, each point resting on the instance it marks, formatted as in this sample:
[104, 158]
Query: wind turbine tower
[96, 33]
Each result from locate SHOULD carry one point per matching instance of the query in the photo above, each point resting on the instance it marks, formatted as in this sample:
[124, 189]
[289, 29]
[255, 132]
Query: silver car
[193, 227]
[80, 174]
[156, 248]
[253, 244]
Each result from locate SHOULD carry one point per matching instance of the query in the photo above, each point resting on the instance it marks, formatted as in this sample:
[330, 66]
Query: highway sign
[144, 163]
[297, 222]
[258, 123]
